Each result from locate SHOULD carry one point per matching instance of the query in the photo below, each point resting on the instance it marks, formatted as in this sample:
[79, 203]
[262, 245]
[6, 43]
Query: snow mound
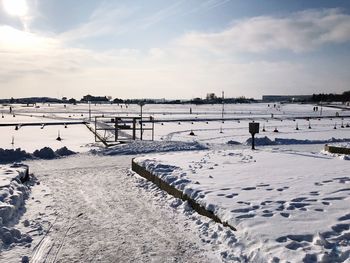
[64, 151]
[139, 147]
[48, 154]
[341, 144]
[13, 193]
[9, 156]
[262, 141]
[45, 153]
[231, 142]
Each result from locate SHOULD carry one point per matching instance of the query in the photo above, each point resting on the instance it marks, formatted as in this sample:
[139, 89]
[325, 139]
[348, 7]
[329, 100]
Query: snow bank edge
[176, 193]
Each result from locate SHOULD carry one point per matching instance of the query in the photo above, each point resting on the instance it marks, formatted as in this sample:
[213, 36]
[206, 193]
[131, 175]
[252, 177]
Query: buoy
[263, 129]
[16, 128]
[335, 126]
[275, 130]
[192, 133]
[297, 127]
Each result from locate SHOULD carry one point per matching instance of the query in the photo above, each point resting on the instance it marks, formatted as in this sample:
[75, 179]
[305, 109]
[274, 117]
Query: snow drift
[13, 193]
[17, 155]
[139, 147]
[262, 141]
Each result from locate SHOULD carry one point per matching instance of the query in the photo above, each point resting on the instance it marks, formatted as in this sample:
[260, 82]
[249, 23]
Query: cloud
[298, 32]
[37, 64]
[105, 20]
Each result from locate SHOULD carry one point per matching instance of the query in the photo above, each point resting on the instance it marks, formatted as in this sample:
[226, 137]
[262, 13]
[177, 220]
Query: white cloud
[299, 32]
[105, 20]
[34, 64]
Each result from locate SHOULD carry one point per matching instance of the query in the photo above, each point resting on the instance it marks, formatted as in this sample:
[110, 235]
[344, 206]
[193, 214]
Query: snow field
[79, 139]
[30, 138]
[285, 205]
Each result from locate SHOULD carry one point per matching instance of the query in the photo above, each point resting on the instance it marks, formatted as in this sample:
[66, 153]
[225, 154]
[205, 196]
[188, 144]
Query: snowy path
[102, 216]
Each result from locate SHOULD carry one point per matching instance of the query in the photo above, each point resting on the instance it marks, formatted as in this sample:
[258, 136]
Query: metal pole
[152, 129]
[253, 141]
[223, 106]
[116, 129]
[141, 124]
[134, 129]
[95, 129]
[89, 110]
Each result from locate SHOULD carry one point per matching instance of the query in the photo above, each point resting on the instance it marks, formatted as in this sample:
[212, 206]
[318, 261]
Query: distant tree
[116, 100]
[72, 100]
[197, 101]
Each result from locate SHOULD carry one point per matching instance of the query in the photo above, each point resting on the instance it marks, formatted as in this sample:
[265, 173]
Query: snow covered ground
[285, 205]
[209, 130]
[288, 200]
[91, 208]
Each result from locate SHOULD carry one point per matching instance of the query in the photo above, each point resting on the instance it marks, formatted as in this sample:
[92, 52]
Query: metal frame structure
[122, 128]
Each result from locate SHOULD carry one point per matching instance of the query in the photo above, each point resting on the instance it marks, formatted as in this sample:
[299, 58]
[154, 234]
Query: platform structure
[123, 128]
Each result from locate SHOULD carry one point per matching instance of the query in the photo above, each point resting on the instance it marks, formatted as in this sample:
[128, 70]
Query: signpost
[253, 129]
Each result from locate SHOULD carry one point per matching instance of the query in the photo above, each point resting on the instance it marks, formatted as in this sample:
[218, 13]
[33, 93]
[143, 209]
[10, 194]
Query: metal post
[152, 129]
[95, 129]
[253, 141]
[89, 111]
[141, 124]
[134, 129]
[223, 106]
[116, 129]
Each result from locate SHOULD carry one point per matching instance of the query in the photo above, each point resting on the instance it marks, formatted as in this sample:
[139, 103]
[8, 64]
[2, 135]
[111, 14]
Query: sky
[173, 49]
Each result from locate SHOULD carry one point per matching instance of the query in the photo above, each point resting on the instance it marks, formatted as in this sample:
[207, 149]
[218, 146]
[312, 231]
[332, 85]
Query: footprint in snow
[231, 195]
[344, 218]
[249, 188]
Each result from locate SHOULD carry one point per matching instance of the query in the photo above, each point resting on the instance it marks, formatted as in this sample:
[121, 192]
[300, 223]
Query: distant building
[95, 98]
[211, 96]
[286, 98]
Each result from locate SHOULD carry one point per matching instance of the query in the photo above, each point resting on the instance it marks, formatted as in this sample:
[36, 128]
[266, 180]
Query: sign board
[253, 127]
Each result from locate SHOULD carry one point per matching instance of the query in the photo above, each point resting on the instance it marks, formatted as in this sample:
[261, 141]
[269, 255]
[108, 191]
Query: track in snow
[102, 216]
